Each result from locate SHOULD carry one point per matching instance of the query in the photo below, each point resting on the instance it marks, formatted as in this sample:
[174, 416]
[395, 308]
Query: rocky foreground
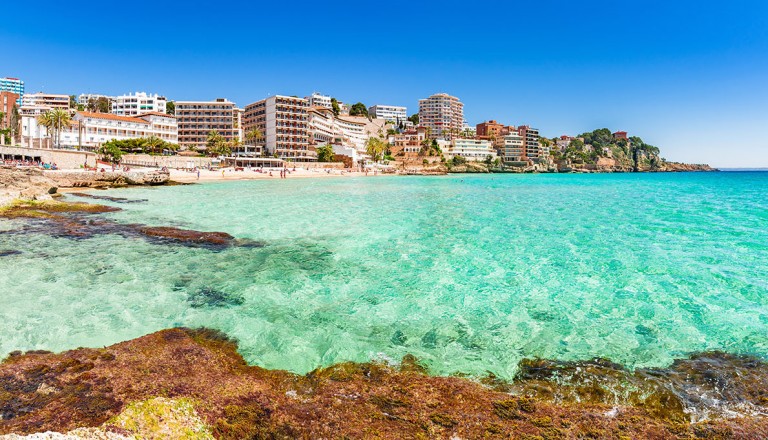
[37, 184]
[184, 383]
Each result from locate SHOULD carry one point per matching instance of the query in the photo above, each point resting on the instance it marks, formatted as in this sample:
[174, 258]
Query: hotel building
[442, 115]
[530, 137]
[388, 113]
[46, 100]
[90, 130]
[476, 150]
[512, 147]
[84, 98]
[136, 104]
[196, 119]
[13, 85]
[284, 124]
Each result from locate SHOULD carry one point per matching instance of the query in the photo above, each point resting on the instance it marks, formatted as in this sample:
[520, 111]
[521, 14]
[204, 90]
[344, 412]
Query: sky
[690, 77]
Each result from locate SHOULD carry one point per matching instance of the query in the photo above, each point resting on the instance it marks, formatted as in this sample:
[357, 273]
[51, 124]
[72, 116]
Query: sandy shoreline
[230, 174]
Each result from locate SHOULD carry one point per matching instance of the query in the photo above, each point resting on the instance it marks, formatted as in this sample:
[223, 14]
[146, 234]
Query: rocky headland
[184, 383]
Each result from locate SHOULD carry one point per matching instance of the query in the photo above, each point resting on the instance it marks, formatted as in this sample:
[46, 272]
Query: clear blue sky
[688, 76]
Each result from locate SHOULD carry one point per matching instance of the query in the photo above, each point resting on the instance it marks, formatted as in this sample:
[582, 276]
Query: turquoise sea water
[469, 273]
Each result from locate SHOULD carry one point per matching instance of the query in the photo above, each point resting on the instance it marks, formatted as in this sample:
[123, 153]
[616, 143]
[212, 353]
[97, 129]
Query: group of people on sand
[30, 163]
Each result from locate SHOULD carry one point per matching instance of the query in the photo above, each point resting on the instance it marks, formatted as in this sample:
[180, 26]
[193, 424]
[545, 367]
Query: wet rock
[209, 297]
[108, 198]
[204, 383]
[171, 234]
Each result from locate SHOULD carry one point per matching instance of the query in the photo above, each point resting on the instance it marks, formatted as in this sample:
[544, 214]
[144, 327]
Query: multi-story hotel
[531, 141]
[13, 85]
[326, 128]
[46, 100]
[84, 98]
[471, 149]
[512, 147]
[390, 113]
[138, 103]
[284, 124]
[442, 115]
[196, 119]
[90, 130]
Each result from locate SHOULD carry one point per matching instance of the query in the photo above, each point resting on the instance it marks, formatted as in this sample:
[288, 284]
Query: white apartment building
[390, 113]
[476, 150]
[512, 147]
[196, 119]
[319, 100]
[84, 98]
[45, 99]
[326, 128]
[138, 103]
[442, 115]
[237, 124]
[284, 124]
[90, 130]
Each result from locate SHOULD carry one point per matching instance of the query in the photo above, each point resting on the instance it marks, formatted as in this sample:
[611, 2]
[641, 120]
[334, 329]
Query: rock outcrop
[25, 183]
[181, 381]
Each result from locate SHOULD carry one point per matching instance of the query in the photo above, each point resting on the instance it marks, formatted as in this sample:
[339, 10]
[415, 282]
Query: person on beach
[198, 174]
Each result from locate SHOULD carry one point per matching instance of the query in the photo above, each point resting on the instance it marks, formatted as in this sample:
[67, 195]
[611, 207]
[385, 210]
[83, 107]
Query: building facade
[7, 102]
[476, 150]
[319, 100]
[138, 103]
[84, 98]
[46, 100]
[91, 130]
[531, 141]
[284, 124]
[512, 147]
[389, 113]
[196, 119]
[442, 115]
[13, 85]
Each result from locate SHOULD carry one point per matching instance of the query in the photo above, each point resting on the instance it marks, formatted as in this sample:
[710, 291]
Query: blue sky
[689, 77]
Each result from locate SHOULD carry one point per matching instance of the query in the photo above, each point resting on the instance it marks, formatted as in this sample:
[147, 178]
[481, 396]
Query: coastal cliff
[185, 383]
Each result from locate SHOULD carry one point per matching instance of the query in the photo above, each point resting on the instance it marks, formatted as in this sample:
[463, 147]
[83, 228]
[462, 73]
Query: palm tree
[253, 134]
[46, 120]
[60, 118]
[153, 144]
[375, 147]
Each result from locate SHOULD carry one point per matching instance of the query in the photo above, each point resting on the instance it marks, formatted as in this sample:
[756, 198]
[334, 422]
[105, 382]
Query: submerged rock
[194, 382]
[9, 252]
[209, 297]
[187, 236]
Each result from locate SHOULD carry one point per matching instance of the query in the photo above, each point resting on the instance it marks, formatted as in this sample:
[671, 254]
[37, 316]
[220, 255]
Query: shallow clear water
[469, 273]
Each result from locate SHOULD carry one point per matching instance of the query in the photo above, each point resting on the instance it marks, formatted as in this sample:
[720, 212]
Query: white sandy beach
[252, 174]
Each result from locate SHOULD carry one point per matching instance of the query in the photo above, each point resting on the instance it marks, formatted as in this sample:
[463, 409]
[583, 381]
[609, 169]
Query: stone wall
[64, 159]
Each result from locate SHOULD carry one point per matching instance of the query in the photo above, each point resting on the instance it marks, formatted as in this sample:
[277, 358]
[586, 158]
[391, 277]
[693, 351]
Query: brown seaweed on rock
[90, 387]
[74, 220]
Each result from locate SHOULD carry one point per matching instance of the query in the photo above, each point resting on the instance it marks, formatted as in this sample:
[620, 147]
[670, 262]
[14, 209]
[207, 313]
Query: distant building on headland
[442, 115]
[13, 85]
[284, 123]
[196, 119]
[620, 135]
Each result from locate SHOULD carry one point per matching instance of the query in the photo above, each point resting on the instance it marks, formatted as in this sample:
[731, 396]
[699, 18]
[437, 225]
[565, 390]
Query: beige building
[196, 119]
[442, 115]
[284, 124]
[41, 99]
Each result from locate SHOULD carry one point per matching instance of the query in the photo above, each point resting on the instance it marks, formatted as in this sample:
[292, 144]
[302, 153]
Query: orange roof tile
[112, 117]
[157, 114]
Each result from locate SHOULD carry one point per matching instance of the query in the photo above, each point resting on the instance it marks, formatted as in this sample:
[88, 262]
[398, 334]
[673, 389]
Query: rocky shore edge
[192, 383]
[36, 184]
